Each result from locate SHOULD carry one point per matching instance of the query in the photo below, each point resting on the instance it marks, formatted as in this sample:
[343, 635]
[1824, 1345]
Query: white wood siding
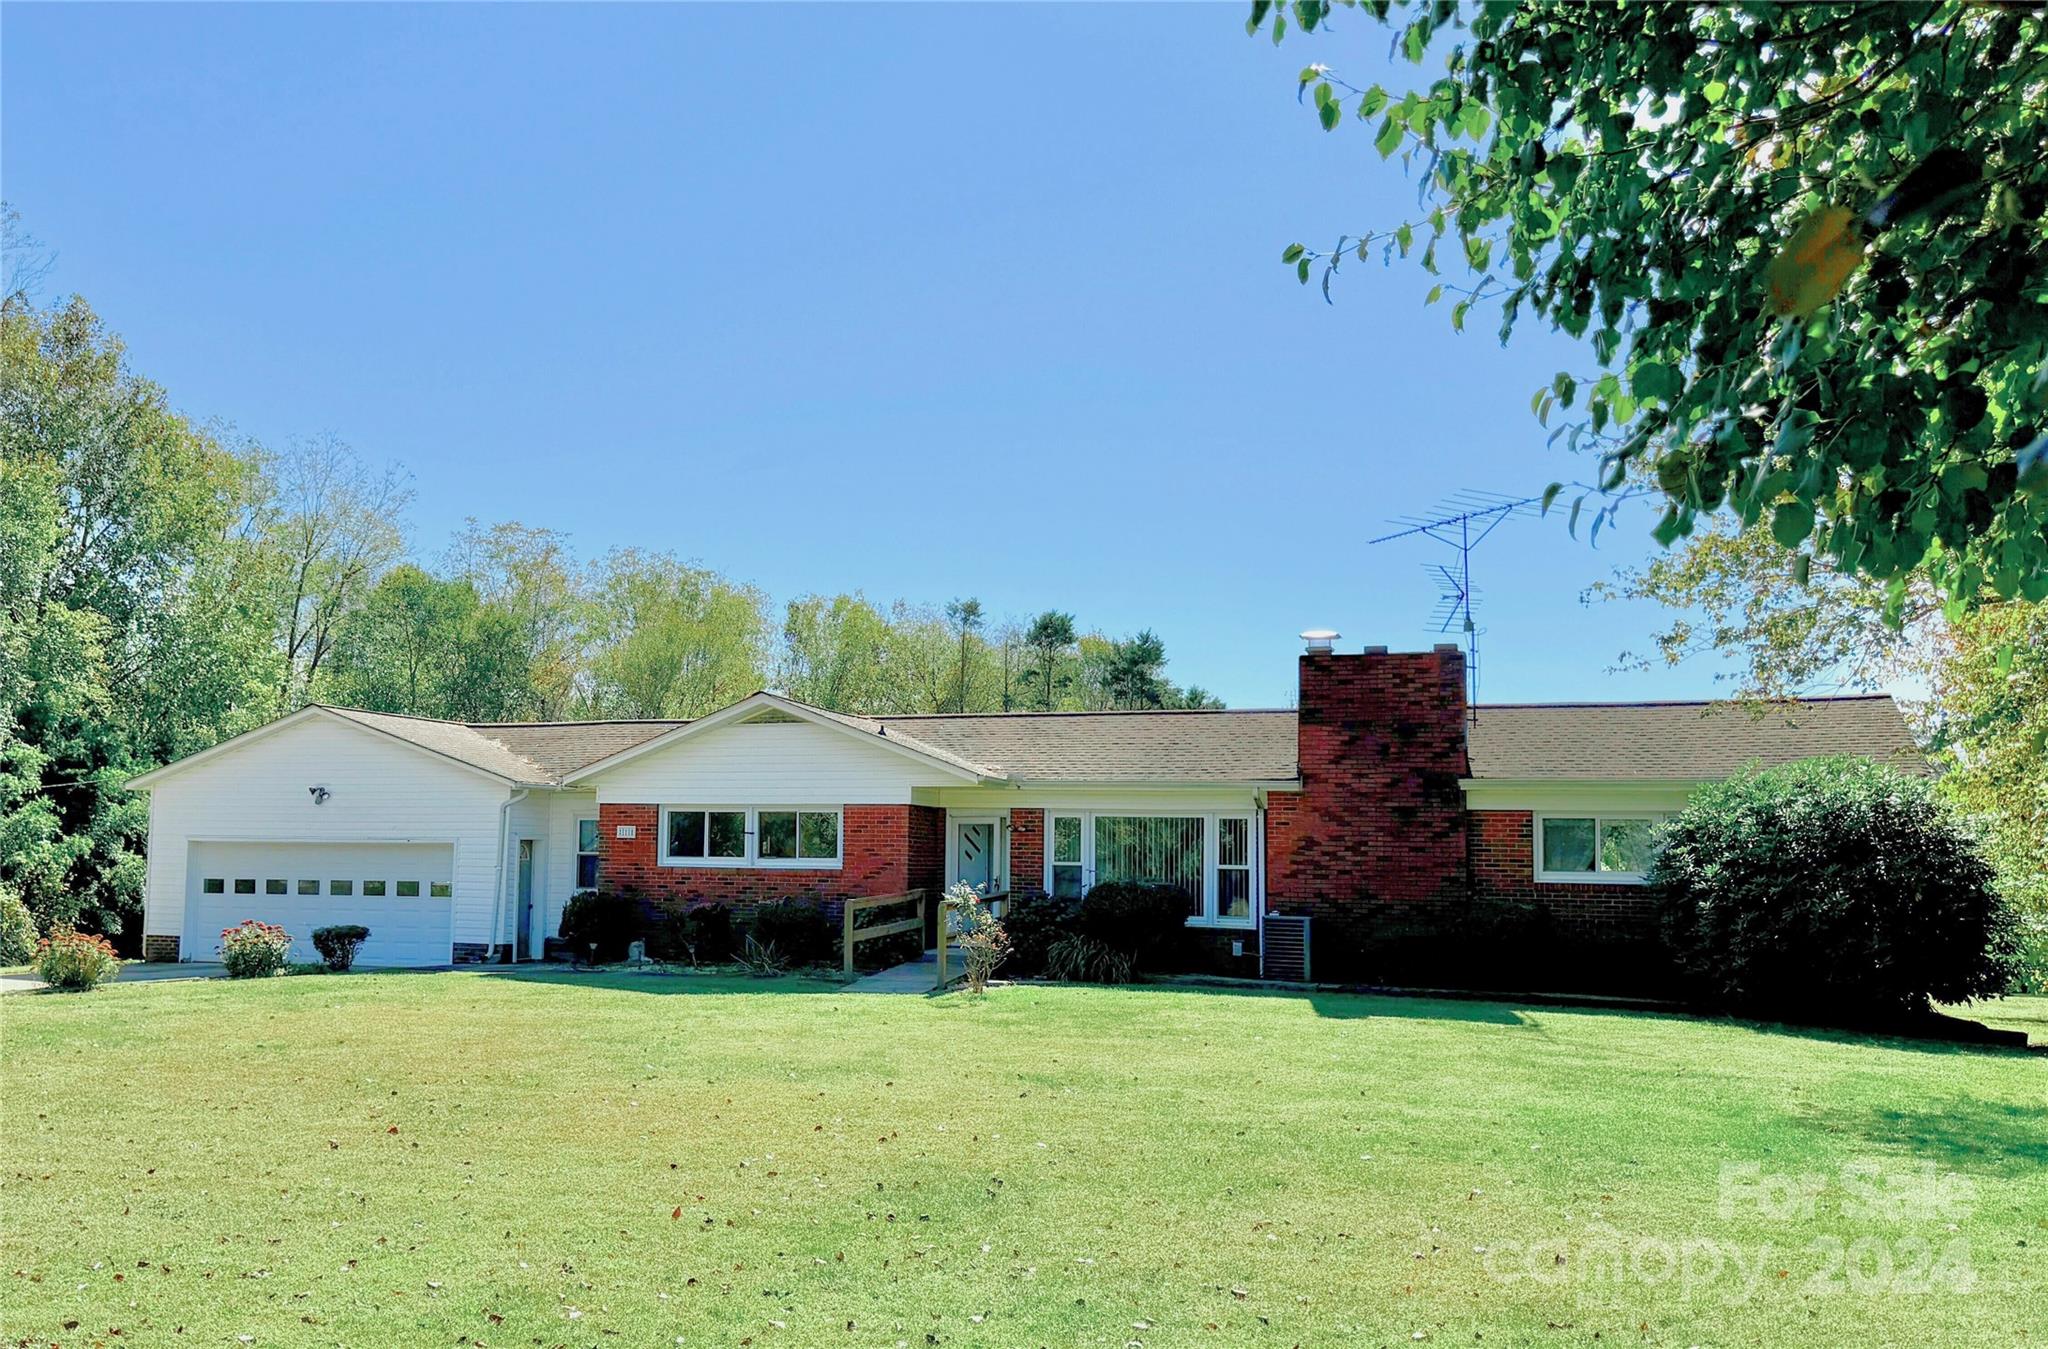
[768, 764]
[383, 792]
[564, 809]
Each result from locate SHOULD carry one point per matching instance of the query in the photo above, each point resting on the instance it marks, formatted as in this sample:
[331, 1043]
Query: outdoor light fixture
[319, 795]
[1320, 640]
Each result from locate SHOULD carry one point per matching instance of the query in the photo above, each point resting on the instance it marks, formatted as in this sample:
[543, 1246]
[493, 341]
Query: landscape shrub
[17, 929]
[762, 959]
[253, 950]
[1148, 923]
[2030, 963]
[701, 934]
[796, 928]
[973, 927]
[338, 945]
[1035, 921]
[1830, 889]
[600, 918]
[1081, 959]
[75, 961]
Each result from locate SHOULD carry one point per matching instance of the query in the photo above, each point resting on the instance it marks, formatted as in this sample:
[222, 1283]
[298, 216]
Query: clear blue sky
[922, 301]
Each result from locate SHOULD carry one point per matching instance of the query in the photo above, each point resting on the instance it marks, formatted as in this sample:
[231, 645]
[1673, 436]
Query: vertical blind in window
[1153, 849]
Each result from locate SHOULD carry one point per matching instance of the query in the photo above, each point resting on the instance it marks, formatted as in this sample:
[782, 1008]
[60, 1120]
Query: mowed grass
[560, 1160]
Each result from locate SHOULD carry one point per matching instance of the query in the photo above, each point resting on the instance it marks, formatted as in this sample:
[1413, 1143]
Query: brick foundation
[156, 947]
[480, 953]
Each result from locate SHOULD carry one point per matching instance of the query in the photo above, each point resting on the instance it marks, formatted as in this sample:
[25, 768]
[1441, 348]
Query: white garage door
[402, 892]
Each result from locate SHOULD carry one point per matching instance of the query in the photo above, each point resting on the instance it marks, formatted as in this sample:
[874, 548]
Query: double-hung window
[1207, 857]
[1617, 849]
[740, 836]
[586, 854]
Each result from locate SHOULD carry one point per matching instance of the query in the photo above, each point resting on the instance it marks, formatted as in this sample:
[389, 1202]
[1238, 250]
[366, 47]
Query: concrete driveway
[135, 972]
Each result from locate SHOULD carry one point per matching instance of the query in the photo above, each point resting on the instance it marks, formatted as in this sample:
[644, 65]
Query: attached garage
[402, 892]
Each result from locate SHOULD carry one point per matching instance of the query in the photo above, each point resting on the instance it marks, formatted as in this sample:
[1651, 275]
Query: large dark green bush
[1148, 923]
[338, 945]
[1034, 922]
[1830, 888]
[608, 921]
[797, 928]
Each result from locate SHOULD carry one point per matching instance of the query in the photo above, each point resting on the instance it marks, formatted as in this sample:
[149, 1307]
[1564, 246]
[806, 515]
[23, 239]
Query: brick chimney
[1376, 836]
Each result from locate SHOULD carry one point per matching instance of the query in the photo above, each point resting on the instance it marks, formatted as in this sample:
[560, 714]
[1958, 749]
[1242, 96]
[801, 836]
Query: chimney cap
[1321, 640]
[1448, 646]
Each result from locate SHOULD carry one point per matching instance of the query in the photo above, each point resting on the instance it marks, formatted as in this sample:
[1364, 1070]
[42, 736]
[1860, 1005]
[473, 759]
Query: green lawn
[441, 1159]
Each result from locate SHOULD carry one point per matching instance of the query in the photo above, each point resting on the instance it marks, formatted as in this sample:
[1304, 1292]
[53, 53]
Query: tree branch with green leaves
[1806, 244]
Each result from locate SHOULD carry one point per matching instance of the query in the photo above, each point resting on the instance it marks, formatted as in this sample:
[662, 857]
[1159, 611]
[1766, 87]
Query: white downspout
[504, 842]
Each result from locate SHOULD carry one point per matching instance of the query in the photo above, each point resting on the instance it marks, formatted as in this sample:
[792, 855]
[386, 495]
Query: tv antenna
[1461, 523]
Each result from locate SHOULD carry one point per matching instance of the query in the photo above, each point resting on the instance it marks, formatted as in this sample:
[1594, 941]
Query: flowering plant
[75, 960]
[979, 934]
[254, 950]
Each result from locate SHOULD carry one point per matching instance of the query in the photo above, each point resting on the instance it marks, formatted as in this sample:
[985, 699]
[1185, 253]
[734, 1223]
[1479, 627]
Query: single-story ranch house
[1382, 792]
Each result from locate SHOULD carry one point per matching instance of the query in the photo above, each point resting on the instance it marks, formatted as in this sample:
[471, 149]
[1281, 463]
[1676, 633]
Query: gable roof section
[1110, 747]
[869, 729]
[1674, 742]
[449, 740]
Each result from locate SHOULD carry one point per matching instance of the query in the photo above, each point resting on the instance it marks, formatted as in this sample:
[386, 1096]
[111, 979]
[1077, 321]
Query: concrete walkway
[134, 972]
[912, 976]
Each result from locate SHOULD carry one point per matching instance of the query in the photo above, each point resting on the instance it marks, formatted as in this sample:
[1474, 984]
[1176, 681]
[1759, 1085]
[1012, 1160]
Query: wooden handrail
[852, 936]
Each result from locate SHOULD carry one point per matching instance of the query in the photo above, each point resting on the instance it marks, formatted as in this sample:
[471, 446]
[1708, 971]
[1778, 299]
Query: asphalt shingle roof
[1235, 746]
[1689, 741]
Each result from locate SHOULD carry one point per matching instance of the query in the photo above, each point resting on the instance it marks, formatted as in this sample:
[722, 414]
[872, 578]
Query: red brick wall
[1027, 851]
[884, 850]
[1377, 832]
[1503, 855]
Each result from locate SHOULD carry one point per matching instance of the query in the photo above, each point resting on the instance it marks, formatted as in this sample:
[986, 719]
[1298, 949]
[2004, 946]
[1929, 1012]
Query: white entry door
[976, 857]
[402, 892]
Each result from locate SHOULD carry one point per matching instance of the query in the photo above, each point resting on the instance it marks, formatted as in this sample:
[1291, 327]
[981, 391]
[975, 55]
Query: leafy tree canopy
[1807, 244]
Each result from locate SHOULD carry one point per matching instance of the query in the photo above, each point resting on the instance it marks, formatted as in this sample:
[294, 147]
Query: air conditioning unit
[1283, 947]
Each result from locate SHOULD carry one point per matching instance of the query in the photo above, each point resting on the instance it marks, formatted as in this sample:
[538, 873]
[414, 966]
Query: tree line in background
[164, 586]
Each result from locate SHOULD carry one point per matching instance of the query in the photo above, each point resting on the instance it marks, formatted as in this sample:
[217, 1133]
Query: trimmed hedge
[1832, 889]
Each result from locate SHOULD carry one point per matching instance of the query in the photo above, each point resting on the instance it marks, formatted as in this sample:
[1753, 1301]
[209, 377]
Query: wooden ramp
[912, 976]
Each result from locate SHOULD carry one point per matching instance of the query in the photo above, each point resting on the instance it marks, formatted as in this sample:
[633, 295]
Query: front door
[974, 855]
[522, 933]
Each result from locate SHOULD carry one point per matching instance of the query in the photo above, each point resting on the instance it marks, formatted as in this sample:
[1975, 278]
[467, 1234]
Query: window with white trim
[796, 837]
[586, 854]
[1614, 848]
[1207, 857]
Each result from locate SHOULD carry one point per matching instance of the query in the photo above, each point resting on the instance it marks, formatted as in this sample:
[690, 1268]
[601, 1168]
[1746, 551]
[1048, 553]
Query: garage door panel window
[341, 887]
[273, 887]
[245, 887]
[440, 890]
[771, 837]
[408, 889]
[309, 887]
[373, 889]
[213, 885]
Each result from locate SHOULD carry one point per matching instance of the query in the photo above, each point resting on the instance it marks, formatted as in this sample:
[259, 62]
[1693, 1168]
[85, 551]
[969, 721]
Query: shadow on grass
[1973, 1134]
[624, 981]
